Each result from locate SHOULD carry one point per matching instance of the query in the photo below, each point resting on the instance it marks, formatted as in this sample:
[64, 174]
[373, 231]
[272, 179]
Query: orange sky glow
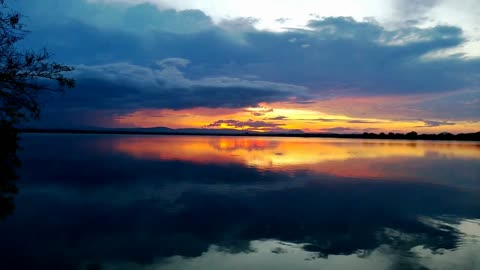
[339, 115]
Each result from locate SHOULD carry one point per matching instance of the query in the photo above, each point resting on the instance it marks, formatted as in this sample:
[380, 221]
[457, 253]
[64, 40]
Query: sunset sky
[341, 66]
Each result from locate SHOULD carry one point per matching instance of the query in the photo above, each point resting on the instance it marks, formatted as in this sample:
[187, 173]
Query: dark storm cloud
[129, 87]
[333, 54]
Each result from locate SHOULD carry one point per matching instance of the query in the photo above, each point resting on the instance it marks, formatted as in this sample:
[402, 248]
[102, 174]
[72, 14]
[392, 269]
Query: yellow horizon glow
[307, 119]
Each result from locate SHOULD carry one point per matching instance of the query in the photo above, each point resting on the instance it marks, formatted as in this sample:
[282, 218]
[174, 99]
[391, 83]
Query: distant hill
[152, 130]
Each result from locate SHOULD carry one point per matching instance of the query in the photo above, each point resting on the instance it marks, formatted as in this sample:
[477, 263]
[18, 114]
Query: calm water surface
[108, 202]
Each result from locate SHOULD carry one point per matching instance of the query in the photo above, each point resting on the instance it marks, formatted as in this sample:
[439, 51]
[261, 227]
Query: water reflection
[414, 160]
[277, 152]
[272, 254]
[107, 202]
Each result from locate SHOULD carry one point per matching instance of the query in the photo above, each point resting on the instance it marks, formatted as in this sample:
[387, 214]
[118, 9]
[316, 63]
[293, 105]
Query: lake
[117, 202]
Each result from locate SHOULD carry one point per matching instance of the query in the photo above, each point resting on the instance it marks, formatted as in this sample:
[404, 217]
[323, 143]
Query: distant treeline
[393, 136]
[414, 136]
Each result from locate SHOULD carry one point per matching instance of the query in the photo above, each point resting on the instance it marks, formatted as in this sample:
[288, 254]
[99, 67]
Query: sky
[339, 66]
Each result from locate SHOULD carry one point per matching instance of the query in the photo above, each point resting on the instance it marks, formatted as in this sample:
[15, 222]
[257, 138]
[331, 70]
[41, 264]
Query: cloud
[339, 130]
[414, 9]
[354, 121]
[281, 117]
[135, 18]
[239, 24]
[452, 106]
[125, 88]
[173, 62]
[343, 57]
[250, 124]
[432, 123]
[362, 57]
[259, 110]
[364, 122]
[149, 18]
[345, 28]
[282, 20]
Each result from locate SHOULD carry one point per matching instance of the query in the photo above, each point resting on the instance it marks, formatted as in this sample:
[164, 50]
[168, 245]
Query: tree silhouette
[24, 76]
[9, 162]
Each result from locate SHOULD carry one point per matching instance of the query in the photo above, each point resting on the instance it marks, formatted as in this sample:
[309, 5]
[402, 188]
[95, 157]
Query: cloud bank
[131, 57]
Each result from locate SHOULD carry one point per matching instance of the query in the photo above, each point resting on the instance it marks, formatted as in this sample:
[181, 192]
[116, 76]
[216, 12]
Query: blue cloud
[431, 123]
[125, 88]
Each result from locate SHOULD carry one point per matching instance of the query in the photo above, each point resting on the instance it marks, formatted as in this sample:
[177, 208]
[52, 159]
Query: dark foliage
[414, 136]
[24, 76]
[8, 165]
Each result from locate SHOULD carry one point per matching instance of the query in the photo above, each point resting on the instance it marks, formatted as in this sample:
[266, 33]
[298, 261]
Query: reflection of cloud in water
[130, 210]
[273, 254]
[244, 143]
[323, 217]
[466, 256]
[264, 255]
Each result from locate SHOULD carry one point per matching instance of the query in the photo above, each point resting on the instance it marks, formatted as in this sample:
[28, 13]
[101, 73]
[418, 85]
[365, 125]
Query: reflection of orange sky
[354, 114]
[351, 158]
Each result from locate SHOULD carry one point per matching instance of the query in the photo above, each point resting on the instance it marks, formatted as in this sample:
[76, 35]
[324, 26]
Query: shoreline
[474, 137]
